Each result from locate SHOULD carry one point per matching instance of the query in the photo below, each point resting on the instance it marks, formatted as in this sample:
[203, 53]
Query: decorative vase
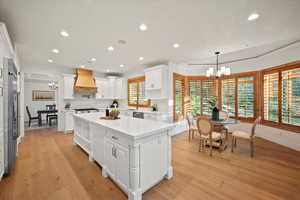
[114, 115]
[215, 113]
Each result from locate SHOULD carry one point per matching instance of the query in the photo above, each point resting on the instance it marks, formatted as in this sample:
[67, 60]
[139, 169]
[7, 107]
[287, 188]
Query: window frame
[278, 69]
[137, 80]
[183, 79]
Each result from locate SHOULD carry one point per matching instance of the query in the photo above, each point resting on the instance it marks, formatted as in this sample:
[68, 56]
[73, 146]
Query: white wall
[34, 106]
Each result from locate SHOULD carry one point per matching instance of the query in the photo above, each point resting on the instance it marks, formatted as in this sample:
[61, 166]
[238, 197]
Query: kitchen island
[134, 153]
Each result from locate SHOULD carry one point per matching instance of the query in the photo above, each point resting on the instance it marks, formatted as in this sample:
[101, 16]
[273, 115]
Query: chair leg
[232, 143]
[189, 135]
[29, 123]
[200, 145]
[210, 142]
[252, 148]
[235, 139]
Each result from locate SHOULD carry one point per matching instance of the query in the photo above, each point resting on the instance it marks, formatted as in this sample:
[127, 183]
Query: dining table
[219, 126]
[41, 112]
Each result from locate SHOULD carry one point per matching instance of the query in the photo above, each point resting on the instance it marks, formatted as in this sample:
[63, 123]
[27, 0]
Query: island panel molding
[134, 153]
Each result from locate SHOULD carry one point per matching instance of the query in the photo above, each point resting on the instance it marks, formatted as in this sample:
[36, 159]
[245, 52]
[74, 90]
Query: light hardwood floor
[50, 167]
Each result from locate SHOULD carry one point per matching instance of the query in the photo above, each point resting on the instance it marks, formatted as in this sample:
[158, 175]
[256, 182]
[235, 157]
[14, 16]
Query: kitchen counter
[134, 153]
[132, 127]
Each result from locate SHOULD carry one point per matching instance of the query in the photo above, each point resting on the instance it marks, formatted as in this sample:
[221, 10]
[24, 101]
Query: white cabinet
[97, 133]
[69, 122]
[153, 79]
[68, 86]
[117, 162]
[156, 82]
[111, 88]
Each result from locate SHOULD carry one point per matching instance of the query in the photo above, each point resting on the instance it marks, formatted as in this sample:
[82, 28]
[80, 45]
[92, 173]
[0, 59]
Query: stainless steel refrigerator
[11, 132]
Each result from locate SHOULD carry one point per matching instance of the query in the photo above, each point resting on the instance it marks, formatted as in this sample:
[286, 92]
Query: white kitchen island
[135, 153]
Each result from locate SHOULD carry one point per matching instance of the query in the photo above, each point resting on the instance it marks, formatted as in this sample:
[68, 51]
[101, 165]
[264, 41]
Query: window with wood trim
[136, 92]
[195, 96]
[228, 96]
[200, 93]
[282, 96]
[245, 97]
[271, 97]
[179, 94]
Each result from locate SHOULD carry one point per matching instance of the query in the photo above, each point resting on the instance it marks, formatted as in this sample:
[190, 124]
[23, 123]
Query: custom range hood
[85, 81]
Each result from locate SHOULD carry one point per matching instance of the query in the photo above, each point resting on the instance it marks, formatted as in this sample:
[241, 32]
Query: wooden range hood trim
[85, 81]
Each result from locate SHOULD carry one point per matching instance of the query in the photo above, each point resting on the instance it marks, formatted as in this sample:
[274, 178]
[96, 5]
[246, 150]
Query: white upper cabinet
[111, 88]
[156, 80]
[69, 87]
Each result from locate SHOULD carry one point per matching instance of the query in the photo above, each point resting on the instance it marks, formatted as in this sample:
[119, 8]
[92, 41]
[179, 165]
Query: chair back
[205, 126]
[257, 121]
[189, 118]
[51, 107]
[28, 112]
[223, 115]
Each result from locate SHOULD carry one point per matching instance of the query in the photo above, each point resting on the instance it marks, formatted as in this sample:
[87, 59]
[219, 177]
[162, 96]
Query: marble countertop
[130, 126]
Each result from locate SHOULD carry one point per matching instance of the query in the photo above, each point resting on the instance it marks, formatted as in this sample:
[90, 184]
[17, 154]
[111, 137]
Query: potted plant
[114, 113]
[213, 107]
[154, 107]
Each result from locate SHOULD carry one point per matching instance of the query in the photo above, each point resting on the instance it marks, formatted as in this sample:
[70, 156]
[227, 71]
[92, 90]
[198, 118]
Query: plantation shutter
[228, 96]
[271, 97]
[179, 97]
[291, 96]
[209, 93]
[195, 96]
[246, 97]
[136, 92]
[132, 93]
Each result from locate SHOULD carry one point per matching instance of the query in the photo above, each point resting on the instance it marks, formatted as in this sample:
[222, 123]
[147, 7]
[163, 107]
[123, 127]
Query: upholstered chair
[245, 135]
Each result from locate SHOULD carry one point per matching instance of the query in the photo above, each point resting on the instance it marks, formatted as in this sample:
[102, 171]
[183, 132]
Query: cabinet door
[119, 89]
[109, 157]
[111, 88]
[101, 88]
[68, 87]
[154, 79]
[69, 122]
[122, 166]
[97, 134]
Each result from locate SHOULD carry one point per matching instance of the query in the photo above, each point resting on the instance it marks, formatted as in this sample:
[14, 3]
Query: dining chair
[205, 128]
[192, 127]
[49, 115]
[223, 115]
[245, 135]
[30, 117]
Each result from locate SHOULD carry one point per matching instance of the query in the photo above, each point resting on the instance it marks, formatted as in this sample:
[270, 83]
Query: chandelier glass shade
[220, 71]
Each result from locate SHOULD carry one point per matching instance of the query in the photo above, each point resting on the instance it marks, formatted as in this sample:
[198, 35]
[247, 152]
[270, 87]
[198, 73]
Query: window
[291, 96]
[282, 96]
[201, 93]
[136, 92]
[271, 97]
[245, 95]
[179, 92]
[195, 96]
[209, 93]
[228, 96]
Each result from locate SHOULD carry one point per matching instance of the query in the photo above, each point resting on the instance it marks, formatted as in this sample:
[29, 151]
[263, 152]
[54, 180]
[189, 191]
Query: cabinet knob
[114, 137]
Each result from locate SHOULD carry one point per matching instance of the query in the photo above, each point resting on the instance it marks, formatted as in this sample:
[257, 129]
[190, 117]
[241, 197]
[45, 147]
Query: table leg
[40, 119]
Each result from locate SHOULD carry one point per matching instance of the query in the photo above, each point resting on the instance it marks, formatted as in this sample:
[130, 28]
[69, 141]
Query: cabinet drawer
[117, 137]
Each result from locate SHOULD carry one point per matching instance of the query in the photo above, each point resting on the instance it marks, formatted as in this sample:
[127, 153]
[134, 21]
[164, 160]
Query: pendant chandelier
[219, 71]
[53, 85]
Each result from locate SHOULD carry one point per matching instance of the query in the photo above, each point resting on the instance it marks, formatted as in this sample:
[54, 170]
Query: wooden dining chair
[245, 135]
[30, 116]
[192, 127]
[223, 115]
[207, 135]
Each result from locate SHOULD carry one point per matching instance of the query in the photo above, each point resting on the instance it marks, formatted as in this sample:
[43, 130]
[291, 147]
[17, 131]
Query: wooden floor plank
[49, 166]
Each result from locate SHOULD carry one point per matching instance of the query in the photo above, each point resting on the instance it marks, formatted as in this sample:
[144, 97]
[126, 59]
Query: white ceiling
[199, 26]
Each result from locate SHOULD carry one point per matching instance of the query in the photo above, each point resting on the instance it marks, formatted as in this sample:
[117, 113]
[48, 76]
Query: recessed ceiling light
[121, 65]
[143, 27]
[82, 66]
[93, 59]
[64, 33]
[107, 70]
[176, 45]
[141, 58]
[253, 16]
[50, 60]
[55, 50]
[110, 48]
